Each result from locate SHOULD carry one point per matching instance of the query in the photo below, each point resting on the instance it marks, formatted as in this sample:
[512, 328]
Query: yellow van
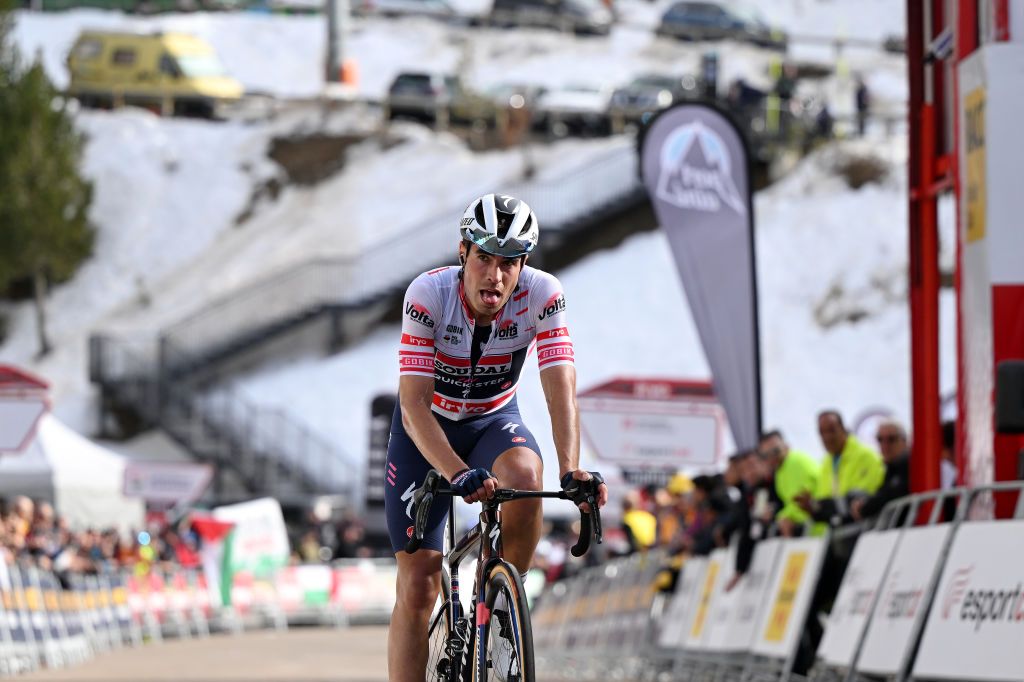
[169, 73]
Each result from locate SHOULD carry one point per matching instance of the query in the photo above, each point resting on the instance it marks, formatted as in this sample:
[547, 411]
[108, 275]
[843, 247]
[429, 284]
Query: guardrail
[51, 621]
[911, 606]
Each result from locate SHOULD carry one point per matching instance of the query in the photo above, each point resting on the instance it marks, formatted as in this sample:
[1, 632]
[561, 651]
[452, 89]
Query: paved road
[299, 655]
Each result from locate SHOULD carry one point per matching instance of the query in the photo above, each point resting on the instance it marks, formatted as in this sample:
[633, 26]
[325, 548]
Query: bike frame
[488, 553]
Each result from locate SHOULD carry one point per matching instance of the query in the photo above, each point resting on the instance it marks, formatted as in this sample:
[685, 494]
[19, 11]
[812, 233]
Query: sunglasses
[888, 439]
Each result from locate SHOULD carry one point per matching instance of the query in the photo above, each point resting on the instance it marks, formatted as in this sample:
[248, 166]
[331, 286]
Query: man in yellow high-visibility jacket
[849, 466]
[795, 472]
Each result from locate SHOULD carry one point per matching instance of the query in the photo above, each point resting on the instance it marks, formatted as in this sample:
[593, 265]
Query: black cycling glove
[468, 481]
[578, 490]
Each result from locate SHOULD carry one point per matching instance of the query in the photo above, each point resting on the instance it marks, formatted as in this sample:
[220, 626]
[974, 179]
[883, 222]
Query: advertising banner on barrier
[718, 631]
[856, 598]
[900, 604]
[753, 589]
[674, 630]
[789, 596]
[978, 607]
[702, 605]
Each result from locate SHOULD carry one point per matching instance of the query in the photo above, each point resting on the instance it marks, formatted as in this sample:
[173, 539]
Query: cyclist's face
[489, 280]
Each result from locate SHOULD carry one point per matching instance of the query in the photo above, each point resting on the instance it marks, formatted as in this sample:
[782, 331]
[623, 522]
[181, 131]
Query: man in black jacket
[892, 443]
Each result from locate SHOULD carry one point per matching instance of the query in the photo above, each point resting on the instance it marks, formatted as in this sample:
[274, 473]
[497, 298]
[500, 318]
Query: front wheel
[505, 633]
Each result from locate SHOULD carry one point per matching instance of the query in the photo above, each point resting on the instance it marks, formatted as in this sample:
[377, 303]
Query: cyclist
[466, 333]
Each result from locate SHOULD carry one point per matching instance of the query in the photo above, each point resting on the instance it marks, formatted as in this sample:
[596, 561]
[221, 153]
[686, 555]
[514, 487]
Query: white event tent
[83, 480]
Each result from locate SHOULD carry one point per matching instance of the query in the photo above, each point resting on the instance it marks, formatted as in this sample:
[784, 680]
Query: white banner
[789, 596]
[900, 605]
[753, 592]
[976, 626]
[676, 630]
[856, 598]
[166, 482]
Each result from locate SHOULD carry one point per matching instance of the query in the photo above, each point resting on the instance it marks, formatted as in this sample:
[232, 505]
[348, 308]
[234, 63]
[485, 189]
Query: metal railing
[293, 295]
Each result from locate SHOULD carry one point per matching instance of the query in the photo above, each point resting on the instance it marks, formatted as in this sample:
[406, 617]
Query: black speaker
[1010, 396]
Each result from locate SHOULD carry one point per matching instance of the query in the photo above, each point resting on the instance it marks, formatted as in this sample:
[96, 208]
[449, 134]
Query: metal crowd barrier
[921, 599]
[53, 621]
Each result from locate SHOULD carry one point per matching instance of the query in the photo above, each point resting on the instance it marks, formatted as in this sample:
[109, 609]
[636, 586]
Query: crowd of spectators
[32, 533]
[777, 490]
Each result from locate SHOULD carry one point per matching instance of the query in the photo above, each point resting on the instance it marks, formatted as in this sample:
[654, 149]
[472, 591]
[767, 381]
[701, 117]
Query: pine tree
[44, 230]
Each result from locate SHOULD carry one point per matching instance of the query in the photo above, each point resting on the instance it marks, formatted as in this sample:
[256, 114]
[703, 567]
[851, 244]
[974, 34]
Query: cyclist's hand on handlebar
[578, 484]
[474, 485]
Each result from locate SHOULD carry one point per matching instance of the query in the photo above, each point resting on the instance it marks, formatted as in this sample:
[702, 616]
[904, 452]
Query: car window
[654, 82]
[88, 49]
[123, 56]
[168, 66]
[200, 65]
[411, 82]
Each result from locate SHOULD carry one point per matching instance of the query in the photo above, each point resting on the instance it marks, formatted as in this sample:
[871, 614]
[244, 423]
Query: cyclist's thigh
[404, 473]
[504, 432]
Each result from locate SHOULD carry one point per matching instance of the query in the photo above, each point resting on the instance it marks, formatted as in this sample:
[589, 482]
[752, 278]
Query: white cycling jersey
[437, 332]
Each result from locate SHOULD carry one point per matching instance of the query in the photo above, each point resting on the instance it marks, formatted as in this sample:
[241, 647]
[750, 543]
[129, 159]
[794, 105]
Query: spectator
[848, 468]
[760, 506]
[892, 441]
[785, 85]
[862, 99]
[639, 525]
[794, 472]
[948, 472]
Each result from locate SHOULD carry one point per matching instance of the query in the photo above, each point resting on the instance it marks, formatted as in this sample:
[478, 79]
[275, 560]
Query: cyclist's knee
[419, 580]
[519, 468]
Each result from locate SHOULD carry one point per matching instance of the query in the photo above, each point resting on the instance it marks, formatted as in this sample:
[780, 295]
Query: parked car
[646, 95]
[436, 9]
[575, 109]
[711, 21]
[170, 73]
[577, 16]
[437, 98]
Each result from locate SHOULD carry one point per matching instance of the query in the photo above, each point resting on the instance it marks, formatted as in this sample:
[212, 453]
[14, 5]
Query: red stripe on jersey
[445, 404]
[555, 345]
[454, 362]
[495, 359]
[428, 354]
[411, 340]
[520, 295]
[523, 311]
[553, 333]
[437, 270]
[416, 370]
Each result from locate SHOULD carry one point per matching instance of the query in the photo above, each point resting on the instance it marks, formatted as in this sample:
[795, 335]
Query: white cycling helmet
[500, 225]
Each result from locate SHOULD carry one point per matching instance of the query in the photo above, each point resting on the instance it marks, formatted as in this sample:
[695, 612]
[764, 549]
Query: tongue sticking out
[490, 297]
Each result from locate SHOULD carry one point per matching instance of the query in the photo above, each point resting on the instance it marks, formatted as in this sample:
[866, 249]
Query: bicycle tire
[438, 632]
[507, 635]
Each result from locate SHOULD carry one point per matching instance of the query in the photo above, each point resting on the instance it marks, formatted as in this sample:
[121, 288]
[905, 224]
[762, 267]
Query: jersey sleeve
[554, 345]
[421, 313]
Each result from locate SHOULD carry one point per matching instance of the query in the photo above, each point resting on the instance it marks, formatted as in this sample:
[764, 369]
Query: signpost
[651, 427]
